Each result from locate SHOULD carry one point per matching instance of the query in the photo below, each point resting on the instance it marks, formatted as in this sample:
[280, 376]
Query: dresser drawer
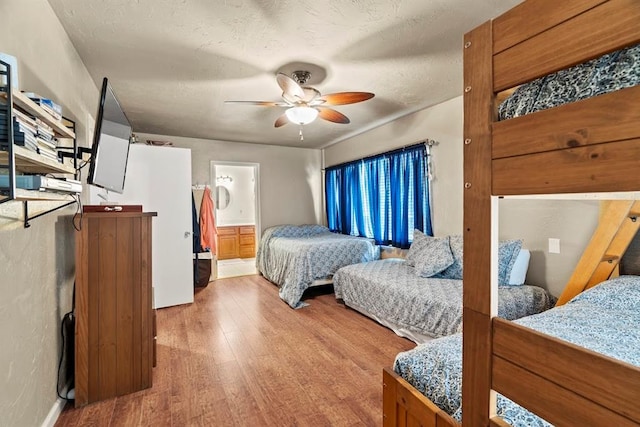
[246, 239]
[247, 229]
[227, 231]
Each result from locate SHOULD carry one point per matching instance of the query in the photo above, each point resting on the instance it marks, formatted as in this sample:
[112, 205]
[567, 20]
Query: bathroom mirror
[222, 197]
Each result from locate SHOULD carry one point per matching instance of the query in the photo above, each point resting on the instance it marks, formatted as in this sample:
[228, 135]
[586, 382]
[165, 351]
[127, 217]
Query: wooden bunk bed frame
[590, 146]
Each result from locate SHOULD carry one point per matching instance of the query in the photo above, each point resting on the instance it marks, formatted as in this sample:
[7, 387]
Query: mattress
[389, 289]
[296, 257]
[611, 72]
[603, 319]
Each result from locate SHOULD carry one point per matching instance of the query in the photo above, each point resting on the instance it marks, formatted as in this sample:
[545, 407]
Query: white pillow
[520, 267]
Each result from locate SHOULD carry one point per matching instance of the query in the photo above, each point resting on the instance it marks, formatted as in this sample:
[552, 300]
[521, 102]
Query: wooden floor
[239, 356]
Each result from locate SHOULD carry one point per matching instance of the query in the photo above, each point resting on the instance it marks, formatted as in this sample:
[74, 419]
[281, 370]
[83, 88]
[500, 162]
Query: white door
[159, 179]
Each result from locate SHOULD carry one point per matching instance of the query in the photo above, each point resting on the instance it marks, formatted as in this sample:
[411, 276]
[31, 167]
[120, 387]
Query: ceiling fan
[304, 104]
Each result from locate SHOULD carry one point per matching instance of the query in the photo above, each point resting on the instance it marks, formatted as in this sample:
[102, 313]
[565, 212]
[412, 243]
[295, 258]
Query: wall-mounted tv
[110, 149]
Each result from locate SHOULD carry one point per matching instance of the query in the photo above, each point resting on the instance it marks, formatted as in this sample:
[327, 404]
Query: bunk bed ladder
[618, 226]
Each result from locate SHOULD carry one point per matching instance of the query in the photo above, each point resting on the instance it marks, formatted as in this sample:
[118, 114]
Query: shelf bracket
[27, 218]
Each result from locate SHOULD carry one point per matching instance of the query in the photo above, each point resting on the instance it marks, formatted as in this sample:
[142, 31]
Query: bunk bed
[296, 257]
[588, 146]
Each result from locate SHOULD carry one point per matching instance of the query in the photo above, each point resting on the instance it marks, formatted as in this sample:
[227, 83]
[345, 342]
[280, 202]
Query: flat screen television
[110, 149]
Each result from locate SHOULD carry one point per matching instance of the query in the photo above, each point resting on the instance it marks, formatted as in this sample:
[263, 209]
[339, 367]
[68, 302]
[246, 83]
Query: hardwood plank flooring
[240, 356]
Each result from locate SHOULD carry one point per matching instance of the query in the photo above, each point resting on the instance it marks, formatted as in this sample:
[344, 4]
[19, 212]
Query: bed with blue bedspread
[295, 256]
[421, 308]
[604, 319]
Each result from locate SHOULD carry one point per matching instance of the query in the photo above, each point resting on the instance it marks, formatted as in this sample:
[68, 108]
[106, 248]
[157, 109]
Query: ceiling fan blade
[281, 121]
[291, 91]
[332, 115]
[342, 98]
[310, 94]
[260, 103]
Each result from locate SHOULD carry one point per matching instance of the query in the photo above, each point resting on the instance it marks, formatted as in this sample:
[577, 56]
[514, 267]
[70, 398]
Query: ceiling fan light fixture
[304, 104]
[301, 115]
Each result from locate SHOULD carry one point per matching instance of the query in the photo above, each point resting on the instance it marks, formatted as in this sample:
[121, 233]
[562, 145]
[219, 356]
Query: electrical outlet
[554, 246]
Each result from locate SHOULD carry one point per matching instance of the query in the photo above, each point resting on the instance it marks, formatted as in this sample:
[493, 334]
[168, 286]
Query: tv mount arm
[74, 152]
[78, 152]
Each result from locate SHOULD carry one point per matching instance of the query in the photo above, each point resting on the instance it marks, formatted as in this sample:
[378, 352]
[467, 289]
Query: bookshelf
[35, 110]
[31, 162]
[18, 160]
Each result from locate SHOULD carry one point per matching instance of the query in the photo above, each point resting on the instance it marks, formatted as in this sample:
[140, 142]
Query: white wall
[290, 178]
[535, 221]
[37, 264]
[442, 123]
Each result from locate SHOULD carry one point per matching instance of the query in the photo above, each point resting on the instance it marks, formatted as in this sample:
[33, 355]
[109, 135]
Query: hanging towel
[208, 229]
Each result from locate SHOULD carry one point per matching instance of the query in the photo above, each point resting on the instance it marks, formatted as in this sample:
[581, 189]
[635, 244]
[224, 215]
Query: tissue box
[13, 62]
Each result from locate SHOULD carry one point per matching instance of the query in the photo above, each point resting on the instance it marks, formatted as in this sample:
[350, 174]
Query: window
[383, 197]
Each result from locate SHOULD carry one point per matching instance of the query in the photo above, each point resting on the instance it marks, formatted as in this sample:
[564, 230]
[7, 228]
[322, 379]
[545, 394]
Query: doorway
[236, 197]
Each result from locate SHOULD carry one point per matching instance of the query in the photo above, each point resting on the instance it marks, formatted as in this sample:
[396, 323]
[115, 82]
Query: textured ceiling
[173, 63]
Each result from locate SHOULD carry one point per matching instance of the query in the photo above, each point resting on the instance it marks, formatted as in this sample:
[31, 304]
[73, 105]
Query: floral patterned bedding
[604, 319]
[390, 289]
[611, 72]
[293, 256]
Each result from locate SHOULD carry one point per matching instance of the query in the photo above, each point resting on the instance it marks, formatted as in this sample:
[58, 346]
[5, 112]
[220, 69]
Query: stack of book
[46, 104]
[47, 143]
[31, 133]
[4, 132]
[23, 134]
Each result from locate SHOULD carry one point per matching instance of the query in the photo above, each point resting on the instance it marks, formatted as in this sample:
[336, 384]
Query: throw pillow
[454, 271]
[507, 253]
[419, 241]
[434, 257]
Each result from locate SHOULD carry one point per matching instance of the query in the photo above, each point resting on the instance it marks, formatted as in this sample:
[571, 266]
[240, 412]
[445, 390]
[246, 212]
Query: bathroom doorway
[236, 197]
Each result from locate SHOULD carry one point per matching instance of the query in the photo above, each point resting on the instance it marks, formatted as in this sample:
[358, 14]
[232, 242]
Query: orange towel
[208, 229]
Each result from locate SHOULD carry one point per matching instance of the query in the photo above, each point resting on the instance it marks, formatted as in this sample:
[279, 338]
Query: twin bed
[602, 319]
[576, 364]
[422, 308]
[296, 257]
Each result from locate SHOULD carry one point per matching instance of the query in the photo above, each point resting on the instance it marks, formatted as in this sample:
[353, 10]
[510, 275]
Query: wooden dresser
[114, 352]
[237, 242]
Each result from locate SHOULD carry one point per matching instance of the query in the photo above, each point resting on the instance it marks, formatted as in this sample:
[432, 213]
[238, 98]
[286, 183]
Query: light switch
[554, 246]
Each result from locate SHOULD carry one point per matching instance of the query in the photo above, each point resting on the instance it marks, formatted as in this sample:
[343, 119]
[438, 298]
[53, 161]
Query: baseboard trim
[56, 409]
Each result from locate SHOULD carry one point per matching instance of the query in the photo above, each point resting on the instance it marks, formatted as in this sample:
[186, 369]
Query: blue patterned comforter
[390, 290]
[611, 72]
[604, 319]
[293, 256]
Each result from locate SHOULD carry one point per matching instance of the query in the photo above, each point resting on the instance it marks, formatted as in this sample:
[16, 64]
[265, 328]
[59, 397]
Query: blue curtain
[383, 197]
[332, 199]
